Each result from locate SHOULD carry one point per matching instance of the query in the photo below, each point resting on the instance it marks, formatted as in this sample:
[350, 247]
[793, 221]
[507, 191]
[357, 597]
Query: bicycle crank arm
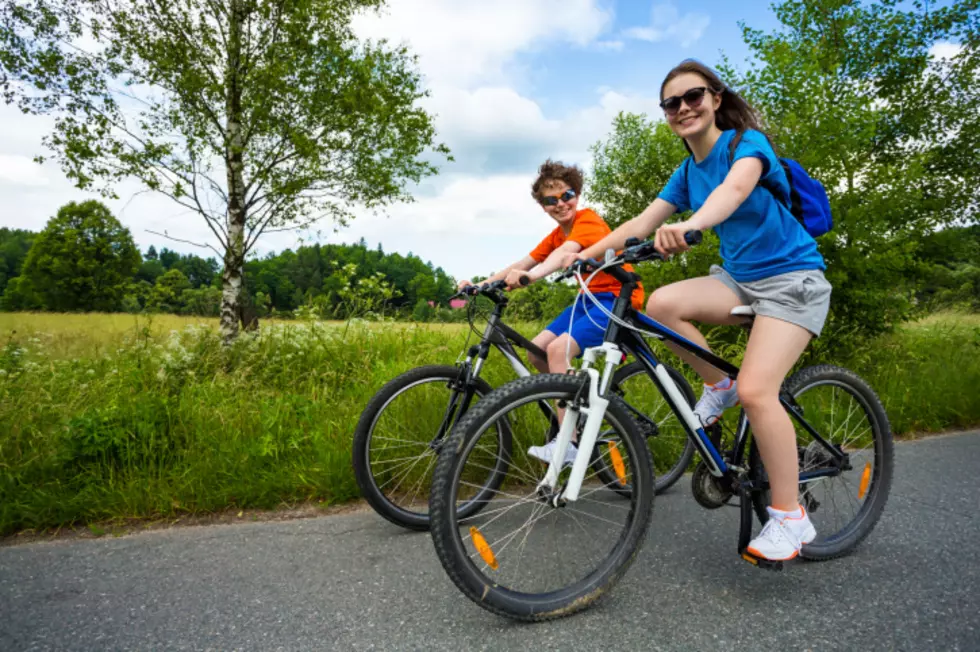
[745, 533]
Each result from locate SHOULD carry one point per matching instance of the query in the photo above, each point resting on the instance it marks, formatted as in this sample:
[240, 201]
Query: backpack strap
[687, 176]
[763, 182]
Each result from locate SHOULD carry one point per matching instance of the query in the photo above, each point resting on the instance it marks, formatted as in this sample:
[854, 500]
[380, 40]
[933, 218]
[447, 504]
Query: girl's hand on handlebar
[669, 239]
[571, 258]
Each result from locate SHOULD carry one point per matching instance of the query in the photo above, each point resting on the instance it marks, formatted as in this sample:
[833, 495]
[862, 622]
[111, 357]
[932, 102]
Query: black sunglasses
[552, 200]
[692, 98]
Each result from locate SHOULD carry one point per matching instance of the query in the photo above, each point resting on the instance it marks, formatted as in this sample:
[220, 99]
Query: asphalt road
[355, 582]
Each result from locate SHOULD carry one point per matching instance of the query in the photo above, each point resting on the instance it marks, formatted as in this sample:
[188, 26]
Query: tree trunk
[235, 255]
[247, 314]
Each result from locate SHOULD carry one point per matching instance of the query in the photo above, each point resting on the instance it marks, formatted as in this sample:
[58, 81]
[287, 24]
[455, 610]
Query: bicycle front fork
[595, 411]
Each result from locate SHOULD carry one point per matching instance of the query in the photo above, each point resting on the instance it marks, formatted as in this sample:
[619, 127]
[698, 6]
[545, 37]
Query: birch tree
[257, 115]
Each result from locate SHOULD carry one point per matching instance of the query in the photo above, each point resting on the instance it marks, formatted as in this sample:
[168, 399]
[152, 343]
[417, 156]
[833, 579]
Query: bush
[423, 312]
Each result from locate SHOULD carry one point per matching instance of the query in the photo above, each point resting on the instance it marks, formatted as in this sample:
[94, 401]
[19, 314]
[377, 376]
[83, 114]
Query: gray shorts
[801, 298]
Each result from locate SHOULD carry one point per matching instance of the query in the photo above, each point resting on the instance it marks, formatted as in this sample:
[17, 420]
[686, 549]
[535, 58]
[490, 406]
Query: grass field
[117, 416]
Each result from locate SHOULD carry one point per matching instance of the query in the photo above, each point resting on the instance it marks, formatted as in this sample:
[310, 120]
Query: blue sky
[512, 82]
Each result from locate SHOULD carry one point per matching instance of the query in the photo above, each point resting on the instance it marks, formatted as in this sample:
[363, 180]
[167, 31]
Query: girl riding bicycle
[768, 262]
[557, 190]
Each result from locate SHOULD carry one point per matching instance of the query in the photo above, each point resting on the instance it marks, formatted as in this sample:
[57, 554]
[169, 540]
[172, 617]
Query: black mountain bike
[551, 540]
[403, 426]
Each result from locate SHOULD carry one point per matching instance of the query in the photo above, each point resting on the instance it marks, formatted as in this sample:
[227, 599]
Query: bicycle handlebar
[483, 288]
[635, 251]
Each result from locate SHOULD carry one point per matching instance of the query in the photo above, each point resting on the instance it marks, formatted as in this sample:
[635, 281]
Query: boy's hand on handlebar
[462, 284]
[513, 278]
[669, 239]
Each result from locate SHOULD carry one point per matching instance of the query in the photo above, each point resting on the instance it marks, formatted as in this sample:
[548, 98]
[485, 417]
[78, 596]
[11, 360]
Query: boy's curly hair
[557, 171]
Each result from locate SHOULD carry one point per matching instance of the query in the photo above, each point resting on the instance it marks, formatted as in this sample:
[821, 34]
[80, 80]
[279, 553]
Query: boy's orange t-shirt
[587, 229]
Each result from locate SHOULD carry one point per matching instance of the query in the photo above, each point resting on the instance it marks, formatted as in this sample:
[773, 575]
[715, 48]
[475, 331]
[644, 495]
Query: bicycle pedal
[759, 562]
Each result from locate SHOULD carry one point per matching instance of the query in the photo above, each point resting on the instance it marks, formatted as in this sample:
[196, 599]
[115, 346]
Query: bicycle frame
[619, 339]
[503, 338]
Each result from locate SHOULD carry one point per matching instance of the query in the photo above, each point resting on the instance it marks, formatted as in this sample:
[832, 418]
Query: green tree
[851, 90]
[272, 111]
[14, 245]
[20, 296]
[199, 271]
[204, 301]
[84, 259]
[150, 270]
[423, 311]
[632, 165]
[167, 293]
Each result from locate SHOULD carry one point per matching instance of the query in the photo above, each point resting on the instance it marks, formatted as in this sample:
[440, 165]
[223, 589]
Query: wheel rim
[540, 552]
[837, 505]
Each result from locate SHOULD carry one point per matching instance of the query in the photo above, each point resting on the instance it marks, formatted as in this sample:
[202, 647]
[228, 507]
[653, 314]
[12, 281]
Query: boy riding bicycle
[582, 324]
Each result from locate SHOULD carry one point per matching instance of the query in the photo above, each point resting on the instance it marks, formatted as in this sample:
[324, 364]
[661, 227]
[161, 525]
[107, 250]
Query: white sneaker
[546, 452]
[714, 401]
[782, 536]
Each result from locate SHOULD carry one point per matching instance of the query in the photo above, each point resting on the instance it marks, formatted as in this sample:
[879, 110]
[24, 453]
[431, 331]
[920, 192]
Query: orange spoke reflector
[865, 479]
[617, 461]
[483, 548]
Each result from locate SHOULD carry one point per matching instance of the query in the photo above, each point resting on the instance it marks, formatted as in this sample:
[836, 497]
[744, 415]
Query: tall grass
[112, 416]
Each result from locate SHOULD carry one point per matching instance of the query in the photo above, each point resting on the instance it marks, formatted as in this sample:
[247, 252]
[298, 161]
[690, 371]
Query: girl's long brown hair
[734, 112]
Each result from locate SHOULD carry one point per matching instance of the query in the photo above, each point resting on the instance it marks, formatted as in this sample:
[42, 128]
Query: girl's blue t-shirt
[761, 238]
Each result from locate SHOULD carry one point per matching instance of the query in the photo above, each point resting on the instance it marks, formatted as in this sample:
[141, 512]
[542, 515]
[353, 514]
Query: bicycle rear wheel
[522, 556]
[847, 413]
[397, 438]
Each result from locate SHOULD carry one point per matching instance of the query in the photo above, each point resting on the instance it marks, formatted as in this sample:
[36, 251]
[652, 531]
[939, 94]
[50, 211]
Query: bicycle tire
[450, 542]
[873, 491]
[364, 474]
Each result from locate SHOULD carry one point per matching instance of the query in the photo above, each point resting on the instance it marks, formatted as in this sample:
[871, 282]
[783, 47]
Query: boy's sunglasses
[692, 98]
[551, 200]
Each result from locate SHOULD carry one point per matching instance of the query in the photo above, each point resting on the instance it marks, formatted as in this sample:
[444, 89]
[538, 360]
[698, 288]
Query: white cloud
[21, 171]
[465, 43]
[945, 51]
[615, 46]
[666, 22]
[474, 226]
[494, 130]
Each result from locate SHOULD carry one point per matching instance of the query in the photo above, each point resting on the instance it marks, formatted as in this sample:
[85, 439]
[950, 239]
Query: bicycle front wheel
[398, 436]
[522, 556]
[844, 506]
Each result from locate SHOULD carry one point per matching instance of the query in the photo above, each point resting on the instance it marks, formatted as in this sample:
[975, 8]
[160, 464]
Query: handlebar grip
[693, 237]
[525, 280]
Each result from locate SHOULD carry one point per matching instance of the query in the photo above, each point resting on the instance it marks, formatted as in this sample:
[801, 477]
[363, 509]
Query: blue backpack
[807, 199]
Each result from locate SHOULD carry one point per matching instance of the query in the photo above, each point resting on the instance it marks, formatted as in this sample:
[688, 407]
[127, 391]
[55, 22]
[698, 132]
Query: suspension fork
[595, 412]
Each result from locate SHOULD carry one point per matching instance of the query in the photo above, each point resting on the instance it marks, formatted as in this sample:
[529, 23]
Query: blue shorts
[585, 333]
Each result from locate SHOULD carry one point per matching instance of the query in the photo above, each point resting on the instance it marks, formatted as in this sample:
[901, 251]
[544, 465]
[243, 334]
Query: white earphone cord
[584, 285]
